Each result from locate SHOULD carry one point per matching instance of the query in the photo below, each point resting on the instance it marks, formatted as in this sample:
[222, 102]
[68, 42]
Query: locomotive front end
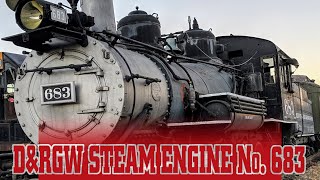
[82, 93]
[71, 94]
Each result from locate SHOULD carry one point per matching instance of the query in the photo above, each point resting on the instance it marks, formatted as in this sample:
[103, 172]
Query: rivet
[112, 125]
[94, 42]
[30, 55]
[112, 61]
[30, 135]
[17, 102]
[19, 114]
[24, 65]
[23, 125]
[106, 54]
[120, 86]
[117, 113]
[117, 72]
[41, 123]
[67, 133]
[17, 89]
[104, 135]
[19, 77]
[120, 99]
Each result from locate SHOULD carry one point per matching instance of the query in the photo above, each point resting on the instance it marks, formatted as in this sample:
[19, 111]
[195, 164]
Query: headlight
[31, 15]
[35, 14]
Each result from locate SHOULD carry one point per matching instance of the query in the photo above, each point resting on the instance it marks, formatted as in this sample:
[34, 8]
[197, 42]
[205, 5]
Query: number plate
[61, 93]
[59, 14]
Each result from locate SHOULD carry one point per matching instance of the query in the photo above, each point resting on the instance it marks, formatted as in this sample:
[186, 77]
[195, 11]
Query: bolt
[39, 53]
[106, 54]
[67, 133]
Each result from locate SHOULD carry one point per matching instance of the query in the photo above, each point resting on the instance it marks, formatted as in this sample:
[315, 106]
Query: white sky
[293, 25]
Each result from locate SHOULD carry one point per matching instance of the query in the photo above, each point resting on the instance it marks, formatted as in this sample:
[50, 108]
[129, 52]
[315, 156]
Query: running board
[280, 121]
[198, 123]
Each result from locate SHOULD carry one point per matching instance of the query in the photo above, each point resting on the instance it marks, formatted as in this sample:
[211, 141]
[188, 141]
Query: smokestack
[103, 13]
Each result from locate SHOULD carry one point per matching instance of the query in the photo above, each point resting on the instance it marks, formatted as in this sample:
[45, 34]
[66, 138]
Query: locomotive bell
[140, 26]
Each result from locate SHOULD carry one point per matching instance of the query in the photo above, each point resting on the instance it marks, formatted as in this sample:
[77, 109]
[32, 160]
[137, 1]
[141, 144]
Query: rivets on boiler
[112, 125]
[23, 125]
[120, 99]
[117, 72]
[106, 55]
[94, 42]
[120, 85]
[30, 135]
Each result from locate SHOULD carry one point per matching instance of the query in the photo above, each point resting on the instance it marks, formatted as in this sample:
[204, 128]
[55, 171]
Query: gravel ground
[313, 173]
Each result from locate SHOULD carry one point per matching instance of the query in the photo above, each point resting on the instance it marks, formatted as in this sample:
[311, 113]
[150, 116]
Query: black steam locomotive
[80, 83]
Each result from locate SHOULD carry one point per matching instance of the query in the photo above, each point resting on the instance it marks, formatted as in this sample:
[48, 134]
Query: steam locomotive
[80, 83]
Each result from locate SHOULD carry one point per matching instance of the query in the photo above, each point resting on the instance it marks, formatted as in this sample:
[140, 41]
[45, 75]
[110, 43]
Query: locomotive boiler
[86, 82]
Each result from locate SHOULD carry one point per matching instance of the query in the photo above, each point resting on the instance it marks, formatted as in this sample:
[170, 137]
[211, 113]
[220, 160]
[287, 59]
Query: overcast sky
[293, 25]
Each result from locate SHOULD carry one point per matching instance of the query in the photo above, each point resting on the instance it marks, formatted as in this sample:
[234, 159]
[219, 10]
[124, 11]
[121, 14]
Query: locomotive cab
[263, 58]
[287, 102]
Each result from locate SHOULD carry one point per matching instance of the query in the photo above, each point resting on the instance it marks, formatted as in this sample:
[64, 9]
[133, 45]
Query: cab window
[269, 70]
